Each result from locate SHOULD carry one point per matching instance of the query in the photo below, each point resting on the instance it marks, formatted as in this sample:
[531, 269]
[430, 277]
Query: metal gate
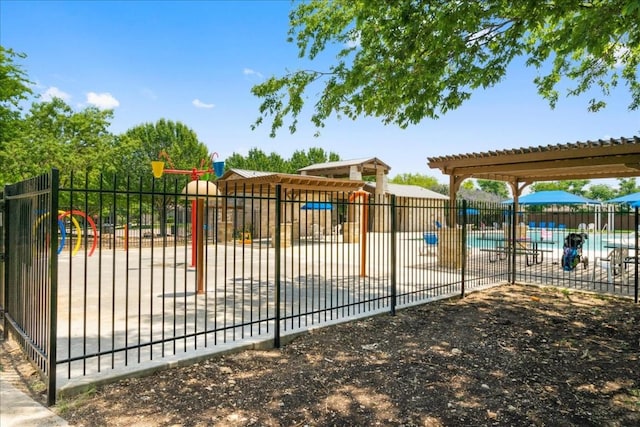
[29, 288]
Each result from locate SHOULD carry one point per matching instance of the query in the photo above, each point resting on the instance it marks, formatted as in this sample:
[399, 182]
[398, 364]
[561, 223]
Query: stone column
[286, 235]
[351, 232]
[450, 248]
[224, 231]
[381, 215]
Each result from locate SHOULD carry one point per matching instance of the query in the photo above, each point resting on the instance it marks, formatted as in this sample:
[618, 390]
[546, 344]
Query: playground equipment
[63, 232]
[194, 192]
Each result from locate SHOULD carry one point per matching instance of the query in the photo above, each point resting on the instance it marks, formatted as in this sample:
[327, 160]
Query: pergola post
[450, 239]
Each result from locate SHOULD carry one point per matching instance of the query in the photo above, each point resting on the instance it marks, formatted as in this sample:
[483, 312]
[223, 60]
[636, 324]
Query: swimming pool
[594, 244]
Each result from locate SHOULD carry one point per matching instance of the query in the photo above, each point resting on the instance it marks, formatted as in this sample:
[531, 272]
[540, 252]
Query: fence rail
[132, 272]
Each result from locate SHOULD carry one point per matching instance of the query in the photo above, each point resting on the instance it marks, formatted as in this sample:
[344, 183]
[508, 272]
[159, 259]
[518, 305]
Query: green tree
[144, 143]
[468, 184]
[601, 192]
[407, 60]
[425, 181]
[498, 188]
[627, 186]
[420, 180]
[300, 159]
[257, 160]
[52, 134]
[575, 186]
[15, 87]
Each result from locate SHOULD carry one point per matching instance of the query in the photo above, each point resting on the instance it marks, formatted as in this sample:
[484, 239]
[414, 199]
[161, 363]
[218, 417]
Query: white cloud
[54, 92]
[104, 101]
[200, 104]
[250, 72]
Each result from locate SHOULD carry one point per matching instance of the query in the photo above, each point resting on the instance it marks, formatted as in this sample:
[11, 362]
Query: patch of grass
[635, 397]
[65, 404]
[601, 297]
[38, 386]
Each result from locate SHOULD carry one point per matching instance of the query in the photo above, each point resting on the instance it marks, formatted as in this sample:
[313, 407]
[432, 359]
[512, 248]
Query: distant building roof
[411, 191]
[476, 195]
[244, 173]
[342, 168]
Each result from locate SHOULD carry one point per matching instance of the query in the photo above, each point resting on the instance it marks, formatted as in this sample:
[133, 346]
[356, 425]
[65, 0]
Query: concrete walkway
[17, 409]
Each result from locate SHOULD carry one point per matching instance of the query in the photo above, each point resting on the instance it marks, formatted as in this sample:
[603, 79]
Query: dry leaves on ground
[510, 355]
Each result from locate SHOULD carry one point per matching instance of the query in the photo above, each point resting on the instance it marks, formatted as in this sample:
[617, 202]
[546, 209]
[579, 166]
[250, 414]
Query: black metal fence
[148, 274]
[30, 277]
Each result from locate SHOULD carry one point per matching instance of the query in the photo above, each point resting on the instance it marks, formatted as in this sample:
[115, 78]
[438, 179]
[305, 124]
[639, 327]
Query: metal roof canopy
[341, 169]
[611, 158]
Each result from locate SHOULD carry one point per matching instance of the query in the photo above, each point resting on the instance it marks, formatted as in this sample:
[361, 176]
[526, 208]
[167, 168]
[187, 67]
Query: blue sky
[196, 61]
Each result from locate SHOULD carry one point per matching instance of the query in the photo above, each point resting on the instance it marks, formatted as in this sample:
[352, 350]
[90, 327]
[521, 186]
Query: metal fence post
[635, 225]
[393, 258]
[277, 245]
[5, 245]
[53, 287]
[511, 243]
[464, 247]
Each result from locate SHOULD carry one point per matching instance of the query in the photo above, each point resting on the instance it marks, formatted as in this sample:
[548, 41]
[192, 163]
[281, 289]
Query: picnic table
[531, 248]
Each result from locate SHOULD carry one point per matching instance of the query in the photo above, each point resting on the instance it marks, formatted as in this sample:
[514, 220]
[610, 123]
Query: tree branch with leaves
[408, 60]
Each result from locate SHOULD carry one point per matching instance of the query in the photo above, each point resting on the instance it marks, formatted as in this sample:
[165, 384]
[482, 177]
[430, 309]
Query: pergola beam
[612, 158]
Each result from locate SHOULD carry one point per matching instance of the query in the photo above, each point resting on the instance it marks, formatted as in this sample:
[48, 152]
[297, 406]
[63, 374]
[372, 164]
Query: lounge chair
[430, 246]
[615, 264]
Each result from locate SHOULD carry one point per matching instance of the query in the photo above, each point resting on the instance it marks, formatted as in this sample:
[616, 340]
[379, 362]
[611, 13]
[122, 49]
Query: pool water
[595, 242]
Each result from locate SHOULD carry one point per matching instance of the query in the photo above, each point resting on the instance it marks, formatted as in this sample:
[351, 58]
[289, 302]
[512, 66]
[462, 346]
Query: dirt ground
[511, 355]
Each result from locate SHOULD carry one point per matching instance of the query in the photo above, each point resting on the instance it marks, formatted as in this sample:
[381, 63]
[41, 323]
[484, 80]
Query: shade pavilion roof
[519, 167]
[603, 158]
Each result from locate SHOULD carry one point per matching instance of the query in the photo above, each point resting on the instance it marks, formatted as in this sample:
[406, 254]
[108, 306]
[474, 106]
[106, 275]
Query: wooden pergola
[292, 187]
[520, 167]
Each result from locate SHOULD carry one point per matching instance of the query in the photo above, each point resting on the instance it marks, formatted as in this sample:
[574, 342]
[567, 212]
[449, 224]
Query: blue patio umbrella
[470, 211]
[554, 197]
[627, 198]
[317, 206]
